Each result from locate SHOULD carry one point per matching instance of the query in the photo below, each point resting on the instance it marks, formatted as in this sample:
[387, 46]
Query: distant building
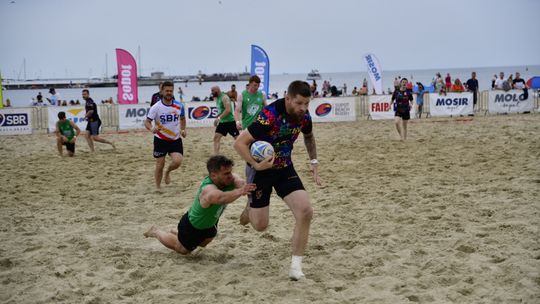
[157, 75]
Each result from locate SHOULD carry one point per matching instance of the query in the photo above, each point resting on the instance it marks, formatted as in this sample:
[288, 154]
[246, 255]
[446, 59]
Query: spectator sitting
[64, 103]
[354, 92]
[195, 98]
[72, 102]
[458, 86]
[374, 92]
[77, 102]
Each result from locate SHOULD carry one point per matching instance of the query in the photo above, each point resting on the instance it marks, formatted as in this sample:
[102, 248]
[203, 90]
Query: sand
[450, 216]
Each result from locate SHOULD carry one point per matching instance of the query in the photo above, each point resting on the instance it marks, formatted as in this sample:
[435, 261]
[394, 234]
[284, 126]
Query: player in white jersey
[169, 120]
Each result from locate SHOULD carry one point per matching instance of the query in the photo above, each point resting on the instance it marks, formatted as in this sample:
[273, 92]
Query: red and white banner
[513, 101]
[451, 104]
[127, 77]
[379, 107]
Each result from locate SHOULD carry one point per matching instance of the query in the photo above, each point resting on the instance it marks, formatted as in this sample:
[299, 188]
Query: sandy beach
[450, 216]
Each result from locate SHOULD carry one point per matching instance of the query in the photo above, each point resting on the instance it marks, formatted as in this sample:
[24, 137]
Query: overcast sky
[70, 38]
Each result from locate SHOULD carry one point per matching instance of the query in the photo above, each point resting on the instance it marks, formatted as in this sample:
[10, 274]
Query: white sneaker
[295, 273]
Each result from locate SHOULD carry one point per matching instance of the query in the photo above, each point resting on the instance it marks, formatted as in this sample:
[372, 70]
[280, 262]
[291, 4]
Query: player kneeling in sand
[66, 134]
[198, 226]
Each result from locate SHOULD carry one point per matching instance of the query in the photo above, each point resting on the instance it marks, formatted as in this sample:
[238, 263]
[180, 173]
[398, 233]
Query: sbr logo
[13, 120]
[323, 109]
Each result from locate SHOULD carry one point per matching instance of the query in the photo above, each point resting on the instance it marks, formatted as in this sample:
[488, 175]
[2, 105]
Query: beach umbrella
[534, 83]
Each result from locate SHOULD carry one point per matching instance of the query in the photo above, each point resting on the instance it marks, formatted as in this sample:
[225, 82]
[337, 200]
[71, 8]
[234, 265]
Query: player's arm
[211, 195]
[148, 121]
[227, 105]
[238, 181]
[238, 112]
[311, 147]
[77, 130]
[183, 122]
[264, 101]
[89, 113]
[241, 145]
[57, 130]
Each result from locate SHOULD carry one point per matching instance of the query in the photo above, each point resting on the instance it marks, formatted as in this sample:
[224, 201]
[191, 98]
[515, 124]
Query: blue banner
[260, 66]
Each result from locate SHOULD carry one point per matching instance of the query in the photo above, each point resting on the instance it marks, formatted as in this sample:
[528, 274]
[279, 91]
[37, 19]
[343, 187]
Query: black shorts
[69, 146]
[285, 181]
[227, 127]
[93, 127]
[164, 147]
[191, 237]
[403, 115]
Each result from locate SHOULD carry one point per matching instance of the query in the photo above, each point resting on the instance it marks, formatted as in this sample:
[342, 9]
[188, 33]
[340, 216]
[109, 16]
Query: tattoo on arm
[309, 141]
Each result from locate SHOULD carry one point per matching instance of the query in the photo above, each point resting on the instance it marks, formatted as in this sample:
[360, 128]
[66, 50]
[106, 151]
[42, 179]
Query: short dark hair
[167, 84]
[254, 78]
[216, 162]
[299, 87]
[61, 115]
[86, 90]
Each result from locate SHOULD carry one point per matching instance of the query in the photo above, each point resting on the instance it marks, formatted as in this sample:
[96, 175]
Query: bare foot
[151, 232]
[244, 217]
[167, 177]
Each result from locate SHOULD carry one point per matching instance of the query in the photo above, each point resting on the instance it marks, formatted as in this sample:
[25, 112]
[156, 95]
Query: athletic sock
[295, 272]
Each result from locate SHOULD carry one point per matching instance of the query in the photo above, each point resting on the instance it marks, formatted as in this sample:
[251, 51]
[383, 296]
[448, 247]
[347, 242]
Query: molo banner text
[513, 101]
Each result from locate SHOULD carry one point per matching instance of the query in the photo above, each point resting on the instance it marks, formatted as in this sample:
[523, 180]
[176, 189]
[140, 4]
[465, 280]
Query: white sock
[295, 272]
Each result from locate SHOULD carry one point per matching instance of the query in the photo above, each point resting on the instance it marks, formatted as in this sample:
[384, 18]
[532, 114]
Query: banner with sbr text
[15, 121]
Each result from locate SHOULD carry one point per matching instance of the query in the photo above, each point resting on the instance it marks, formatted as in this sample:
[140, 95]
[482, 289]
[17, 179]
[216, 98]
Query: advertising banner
[379, 107]
[76, 114]
[15, 121]
[127, 77]
[333, 109]
[451, 104]
[513, 101]
[260, 66]
[375, 72]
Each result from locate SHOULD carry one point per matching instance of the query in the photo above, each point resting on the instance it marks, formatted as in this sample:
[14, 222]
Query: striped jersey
[167, 119]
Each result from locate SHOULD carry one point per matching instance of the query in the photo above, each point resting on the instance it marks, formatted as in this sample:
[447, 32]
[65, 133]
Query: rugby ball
[261, 150]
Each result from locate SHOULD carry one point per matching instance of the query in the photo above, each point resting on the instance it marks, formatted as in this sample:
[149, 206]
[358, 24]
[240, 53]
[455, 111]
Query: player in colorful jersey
[66, 134]
[169, 120]
[248, 106]
[224, 122]
[280, 124]
[198, 226]
[403, 104]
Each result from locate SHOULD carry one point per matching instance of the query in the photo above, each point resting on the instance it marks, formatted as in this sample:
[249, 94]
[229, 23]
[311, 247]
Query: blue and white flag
[375, 72]
[260, 66]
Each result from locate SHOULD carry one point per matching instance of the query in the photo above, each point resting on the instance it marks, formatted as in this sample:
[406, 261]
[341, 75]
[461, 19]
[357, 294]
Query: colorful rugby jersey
[402, 99]
[275, 126]
[167, 119]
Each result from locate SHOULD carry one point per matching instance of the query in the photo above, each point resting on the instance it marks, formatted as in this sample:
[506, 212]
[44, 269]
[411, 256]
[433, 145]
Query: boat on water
[313, 75]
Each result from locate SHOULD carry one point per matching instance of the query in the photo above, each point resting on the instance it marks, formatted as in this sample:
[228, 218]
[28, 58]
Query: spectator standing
[472, 86]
